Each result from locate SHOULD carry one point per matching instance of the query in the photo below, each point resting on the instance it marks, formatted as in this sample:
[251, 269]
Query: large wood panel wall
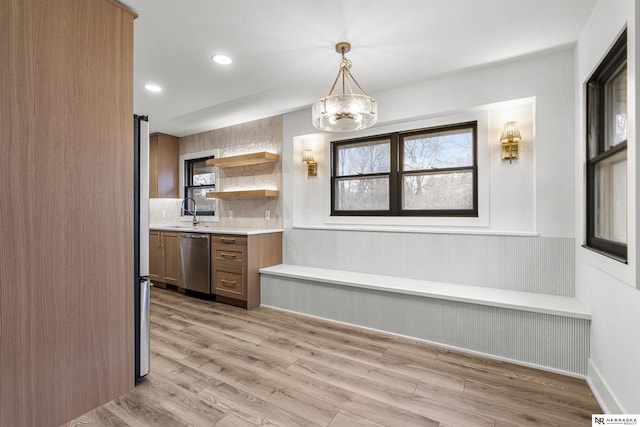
[66, 208]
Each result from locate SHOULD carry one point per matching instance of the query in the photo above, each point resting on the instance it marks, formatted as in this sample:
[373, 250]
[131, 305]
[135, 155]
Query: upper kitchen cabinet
[164, 151]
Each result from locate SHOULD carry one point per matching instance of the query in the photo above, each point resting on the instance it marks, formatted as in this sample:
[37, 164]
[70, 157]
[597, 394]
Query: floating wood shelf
[246, 194]
[244, 160]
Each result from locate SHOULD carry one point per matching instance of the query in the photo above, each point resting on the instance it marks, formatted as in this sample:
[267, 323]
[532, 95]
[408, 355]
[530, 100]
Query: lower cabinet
[164, 257]
[235, 264]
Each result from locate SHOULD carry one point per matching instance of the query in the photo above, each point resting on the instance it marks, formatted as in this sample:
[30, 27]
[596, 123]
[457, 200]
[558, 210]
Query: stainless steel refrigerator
[141, 282]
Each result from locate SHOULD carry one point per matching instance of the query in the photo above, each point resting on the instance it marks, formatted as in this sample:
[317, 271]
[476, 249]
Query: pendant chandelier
[348, 111]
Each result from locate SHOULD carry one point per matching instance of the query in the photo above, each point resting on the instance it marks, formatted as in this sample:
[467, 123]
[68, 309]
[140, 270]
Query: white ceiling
[283, 50]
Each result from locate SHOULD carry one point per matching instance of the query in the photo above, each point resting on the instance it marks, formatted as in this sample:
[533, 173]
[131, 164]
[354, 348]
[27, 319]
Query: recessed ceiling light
[221, 59]
[153, 88]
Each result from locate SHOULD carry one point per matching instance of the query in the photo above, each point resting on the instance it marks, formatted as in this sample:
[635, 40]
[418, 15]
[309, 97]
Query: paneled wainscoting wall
[521, 263]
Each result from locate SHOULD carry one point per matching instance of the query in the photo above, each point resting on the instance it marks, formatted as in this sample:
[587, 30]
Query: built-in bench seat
[547, 331]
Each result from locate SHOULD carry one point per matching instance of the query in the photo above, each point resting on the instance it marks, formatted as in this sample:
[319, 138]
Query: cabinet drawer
[228, 282]
[229, 239]
[229, 254]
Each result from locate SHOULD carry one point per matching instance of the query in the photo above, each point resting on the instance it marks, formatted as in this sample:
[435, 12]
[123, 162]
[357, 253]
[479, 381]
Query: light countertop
[215, 229]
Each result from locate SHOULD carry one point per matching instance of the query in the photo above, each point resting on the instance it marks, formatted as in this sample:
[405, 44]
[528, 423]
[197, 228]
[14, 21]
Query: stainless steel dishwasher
[195, 268]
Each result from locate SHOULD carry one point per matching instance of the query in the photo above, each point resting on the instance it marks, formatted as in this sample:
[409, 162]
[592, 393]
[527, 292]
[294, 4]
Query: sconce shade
[307, 156]
[510, 133]
[509, 139]
[348, 111]
[312, 165]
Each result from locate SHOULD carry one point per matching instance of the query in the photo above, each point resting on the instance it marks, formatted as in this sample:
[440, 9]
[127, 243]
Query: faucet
[194, 212]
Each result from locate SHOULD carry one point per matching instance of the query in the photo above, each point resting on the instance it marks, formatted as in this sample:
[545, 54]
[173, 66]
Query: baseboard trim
[602, 392]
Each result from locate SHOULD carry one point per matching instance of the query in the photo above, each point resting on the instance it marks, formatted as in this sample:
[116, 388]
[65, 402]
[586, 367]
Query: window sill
[415, 230]
[607, 254]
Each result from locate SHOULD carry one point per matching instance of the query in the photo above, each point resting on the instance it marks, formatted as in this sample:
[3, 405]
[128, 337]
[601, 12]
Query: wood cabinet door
[156, 272]
[230, 282]
[153, 166]
[171, 245]
[66, 298]
[164, 152]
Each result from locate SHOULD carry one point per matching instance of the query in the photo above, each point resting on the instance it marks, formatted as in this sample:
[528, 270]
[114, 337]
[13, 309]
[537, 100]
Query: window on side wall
[607, 127]
[199, 179]
[426, 172]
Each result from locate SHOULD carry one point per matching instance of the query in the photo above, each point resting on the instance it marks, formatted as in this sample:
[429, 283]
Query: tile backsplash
[164, 211]
[259, 135]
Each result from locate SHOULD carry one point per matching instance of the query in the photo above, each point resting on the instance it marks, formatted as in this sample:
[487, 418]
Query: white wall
[524, 236]
[609, 287]
[532, 195]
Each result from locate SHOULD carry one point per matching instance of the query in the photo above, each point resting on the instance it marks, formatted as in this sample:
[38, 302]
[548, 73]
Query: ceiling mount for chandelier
[347, 111]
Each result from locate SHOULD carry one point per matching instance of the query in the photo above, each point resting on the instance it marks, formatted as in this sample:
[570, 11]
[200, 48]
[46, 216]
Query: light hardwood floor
[217, 365]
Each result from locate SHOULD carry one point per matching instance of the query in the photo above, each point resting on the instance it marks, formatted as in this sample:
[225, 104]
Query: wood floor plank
[135, 409]
[421, 366]
[97, 417]
[243, 349]
[548, 380]
[209, 317]
[564, 410]
[178, 400]
[372, 373]
[317, 330]
[252, 409]
[347, 419]
[523, 381]
[181, 375]
[407, 401]
[162, 318]
[224, 396]
[488, 406]
[249, 380]
[218, 365]
[163, 342]
[386, 414]
[232, 420]
[356, 336]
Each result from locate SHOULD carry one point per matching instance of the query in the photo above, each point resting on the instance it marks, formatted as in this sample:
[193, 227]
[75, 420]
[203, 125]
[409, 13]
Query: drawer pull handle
[227, 240]
[227, 255]
[228, 282]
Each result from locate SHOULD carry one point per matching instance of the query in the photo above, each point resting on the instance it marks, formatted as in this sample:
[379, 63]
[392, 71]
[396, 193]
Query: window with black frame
[426, 172]
[199, 179]
[607, 133]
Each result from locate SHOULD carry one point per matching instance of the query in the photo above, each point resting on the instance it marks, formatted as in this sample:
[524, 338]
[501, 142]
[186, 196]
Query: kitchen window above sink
[199, 179]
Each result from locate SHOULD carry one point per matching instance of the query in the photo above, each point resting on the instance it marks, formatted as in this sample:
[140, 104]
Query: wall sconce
[312, 165]
[509, 139]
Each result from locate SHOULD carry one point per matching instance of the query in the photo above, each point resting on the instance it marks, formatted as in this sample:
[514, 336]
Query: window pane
[446, 149]
[201, 174]
[364, 158]
[611, 198]
[616, 108]
[438, 191]
[362, 194]
[200, 196]
[592, 119]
